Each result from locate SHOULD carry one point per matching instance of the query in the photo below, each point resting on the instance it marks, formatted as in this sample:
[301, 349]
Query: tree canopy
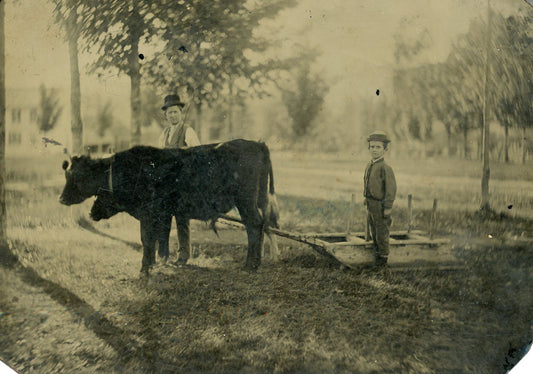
[199, 47]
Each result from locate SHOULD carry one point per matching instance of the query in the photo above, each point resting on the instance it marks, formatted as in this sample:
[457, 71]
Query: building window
[15, 115]
[14, 138]
[92, 148]
[33, 115]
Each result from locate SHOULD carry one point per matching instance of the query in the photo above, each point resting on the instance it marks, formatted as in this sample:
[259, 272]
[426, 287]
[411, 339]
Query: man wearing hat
[177, 135]
[379, 192]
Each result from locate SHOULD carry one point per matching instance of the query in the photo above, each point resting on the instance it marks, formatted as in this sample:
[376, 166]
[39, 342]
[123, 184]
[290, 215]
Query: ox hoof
[251, 268]
[145, 271]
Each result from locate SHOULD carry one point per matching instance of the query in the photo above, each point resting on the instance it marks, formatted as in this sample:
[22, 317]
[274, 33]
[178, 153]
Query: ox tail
[272, 210]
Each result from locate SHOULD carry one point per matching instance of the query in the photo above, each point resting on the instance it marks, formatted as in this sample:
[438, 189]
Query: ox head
[82, 178]
[104, 207]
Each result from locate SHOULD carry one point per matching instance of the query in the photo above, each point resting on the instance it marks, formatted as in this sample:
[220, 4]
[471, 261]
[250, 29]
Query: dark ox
[203, 182]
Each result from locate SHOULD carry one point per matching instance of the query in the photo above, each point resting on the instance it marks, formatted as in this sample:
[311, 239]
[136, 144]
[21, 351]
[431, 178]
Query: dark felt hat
[378, 136]
[171, 100]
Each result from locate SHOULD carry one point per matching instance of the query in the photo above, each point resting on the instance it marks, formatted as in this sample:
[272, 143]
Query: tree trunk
[506, 143]
[7, 258]
[135, 98]
[524, 145]
[76, 124]
[480, 143]
[135, 74]
[465, 142]
[230, 111]
[3, 225]
[449, 139]
[485, 155]
[135, 102]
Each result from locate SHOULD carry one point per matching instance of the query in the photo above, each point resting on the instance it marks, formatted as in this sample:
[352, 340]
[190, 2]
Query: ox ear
[65, 165]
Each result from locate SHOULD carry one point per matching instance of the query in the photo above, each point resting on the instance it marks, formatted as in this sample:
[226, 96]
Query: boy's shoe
[180, 262]
[381, 261]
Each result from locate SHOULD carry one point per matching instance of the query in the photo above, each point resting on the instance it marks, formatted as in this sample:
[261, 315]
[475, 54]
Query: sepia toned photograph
[266, 186]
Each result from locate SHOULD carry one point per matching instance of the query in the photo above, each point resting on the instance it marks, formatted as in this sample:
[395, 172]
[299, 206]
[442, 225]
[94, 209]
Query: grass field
[75, 302]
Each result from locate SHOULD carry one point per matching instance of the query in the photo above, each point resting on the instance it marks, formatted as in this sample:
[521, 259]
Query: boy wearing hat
[177, 135]
[379, 192]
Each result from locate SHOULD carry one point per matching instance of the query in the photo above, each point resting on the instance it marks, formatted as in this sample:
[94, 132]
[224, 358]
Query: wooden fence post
[409, 212]
[433, 222]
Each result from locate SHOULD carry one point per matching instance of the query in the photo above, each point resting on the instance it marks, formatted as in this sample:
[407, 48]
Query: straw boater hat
[171, 100]
[378, 136]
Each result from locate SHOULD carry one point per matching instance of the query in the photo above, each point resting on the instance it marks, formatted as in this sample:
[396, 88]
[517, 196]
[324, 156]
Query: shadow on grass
[85, 224]
[123, 342]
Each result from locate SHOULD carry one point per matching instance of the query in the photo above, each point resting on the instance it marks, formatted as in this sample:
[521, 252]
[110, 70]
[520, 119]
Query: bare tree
[104, 118]
[7, 257]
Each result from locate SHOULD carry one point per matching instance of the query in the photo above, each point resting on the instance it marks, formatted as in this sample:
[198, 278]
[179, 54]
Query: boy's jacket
[380, 183]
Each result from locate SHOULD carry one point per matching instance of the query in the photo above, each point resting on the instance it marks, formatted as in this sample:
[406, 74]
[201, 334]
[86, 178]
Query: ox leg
[254, 229]
[163, 234]
[184, 240]
[148, 241]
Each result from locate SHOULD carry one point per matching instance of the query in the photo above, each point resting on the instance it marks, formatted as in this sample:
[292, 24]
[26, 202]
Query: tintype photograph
[266, 186]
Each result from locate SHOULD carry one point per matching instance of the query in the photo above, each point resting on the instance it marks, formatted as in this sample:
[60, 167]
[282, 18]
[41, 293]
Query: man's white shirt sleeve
[191, 139]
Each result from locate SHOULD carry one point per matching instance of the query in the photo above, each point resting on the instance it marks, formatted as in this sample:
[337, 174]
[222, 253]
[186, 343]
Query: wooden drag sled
[408, 248]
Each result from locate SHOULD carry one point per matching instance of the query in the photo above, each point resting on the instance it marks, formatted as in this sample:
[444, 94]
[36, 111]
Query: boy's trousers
[379, 227]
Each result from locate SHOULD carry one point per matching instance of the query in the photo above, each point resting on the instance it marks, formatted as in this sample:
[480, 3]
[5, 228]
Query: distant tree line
[451, 92]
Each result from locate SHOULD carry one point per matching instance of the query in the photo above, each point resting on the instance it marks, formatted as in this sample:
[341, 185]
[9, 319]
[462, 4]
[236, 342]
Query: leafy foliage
[151, 107]
[304, 103]
[453, 92]
[105, 117]
[207, 46]
[49, 109]
[199, 47]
